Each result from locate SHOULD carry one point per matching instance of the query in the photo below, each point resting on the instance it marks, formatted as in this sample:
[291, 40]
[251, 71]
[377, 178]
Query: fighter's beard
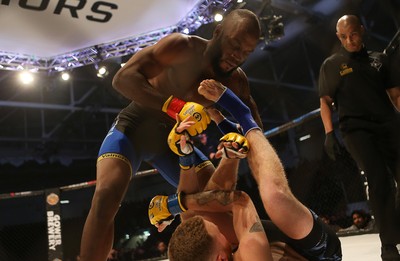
[218, 71]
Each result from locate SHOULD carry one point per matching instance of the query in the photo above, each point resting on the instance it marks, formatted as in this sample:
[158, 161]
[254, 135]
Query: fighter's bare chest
[183, 82]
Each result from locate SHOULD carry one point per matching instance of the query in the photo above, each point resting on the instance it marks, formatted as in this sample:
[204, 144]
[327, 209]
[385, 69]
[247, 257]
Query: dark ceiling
[50, 134]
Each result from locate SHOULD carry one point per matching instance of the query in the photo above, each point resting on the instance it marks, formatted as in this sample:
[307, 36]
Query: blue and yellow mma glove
[189, 155]
[231, 152]
[185, 151]
[165, 208]
[184, 109]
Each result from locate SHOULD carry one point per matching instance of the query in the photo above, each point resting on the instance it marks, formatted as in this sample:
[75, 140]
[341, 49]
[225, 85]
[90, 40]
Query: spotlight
[240, 4]
[26, 77]
[65, 76]
[185, 31]
[218, 13]
[218, 17]
[102, 72]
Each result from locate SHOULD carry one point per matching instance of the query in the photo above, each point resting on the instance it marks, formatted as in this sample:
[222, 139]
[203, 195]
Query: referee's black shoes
[390, 253]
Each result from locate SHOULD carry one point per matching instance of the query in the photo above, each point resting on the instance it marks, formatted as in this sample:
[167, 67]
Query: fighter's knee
[105, 203]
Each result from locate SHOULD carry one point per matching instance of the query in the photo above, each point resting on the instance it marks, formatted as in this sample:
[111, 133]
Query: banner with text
[53, 213]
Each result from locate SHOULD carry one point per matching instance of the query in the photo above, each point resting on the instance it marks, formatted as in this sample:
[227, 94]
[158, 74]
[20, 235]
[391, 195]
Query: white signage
[46, 28]
[54, 230]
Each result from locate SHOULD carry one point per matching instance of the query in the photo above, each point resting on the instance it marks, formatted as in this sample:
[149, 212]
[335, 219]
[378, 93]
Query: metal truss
[201, 14]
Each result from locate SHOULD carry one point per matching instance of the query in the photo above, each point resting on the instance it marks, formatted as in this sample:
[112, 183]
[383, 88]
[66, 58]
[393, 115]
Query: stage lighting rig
[199, 15]
[273, 28]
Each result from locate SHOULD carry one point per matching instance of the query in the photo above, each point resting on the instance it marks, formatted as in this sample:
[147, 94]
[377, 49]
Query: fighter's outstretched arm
[267, 169]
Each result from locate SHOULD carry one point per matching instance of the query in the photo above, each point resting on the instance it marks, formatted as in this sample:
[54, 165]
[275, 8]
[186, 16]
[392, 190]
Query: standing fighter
[160, 79]
[362, 84]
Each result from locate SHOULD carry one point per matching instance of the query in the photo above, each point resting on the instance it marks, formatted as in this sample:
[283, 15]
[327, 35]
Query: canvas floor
[365, 247]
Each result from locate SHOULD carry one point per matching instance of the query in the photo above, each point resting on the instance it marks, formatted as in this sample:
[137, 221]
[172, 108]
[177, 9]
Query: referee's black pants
[375, 146]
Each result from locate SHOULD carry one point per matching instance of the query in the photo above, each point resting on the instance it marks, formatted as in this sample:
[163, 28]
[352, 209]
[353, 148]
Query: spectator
[162, 249]
[362, 221]
[203, 143]
[327, 220]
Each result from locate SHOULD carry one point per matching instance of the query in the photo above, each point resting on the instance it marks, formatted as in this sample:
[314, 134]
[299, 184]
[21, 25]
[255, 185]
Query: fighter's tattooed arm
[214, 200]
[257, 226]
[222, 197]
